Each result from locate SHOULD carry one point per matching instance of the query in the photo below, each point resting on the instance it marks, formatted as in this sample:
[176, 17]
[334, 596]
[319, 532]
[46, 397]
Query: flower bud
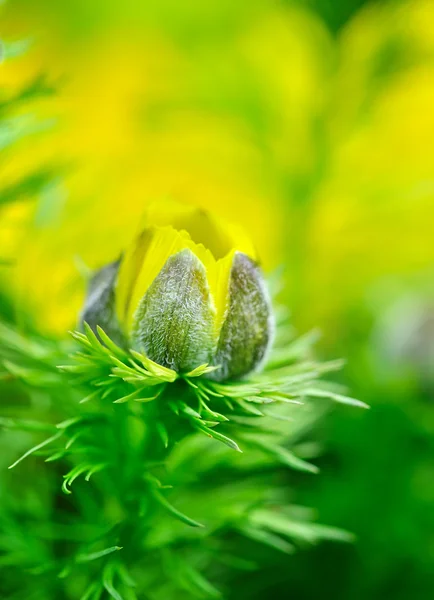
[188, 291]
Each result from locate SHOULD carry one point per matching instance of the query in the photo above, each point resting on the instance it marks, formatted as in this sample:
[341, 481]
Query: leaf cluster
[142, 464]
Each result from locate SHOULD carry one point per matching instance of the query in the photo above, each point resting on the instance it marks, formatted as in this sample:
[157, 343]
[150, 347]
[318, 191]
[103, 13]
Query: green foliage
[18, 122]
[145, 496]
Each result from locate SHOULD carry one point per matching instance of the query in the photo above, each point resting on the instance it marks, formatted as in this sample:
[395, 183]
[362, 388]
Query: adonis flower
[187, 291]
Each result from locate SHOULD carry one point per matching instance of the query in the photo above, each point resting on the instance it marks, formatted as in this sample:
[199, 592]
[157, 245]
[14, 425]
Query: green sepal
[174, 322]
[247, 331]
[99, 308]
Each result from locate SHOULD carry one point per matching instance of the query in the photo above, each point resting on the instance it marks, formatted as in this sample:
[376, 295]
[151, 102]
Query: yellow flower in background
[142, 117]
[187, 292]
[373, 210]
[320, 146]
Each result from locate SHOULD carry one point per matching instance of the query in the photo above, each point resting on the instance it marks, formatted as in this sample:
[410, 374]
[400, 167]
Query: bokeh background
[311, 123]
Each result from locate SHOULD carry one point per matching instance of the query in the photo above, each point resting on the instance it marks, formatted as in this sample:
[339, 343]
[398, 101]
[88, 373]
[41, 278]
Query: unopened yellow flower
[188, 291]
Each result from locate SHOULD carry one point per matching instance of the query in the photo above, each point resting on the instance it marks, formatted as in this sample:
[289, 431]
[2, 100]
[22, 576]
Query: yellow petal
[218, 236]
[168, 228]
[131, 265]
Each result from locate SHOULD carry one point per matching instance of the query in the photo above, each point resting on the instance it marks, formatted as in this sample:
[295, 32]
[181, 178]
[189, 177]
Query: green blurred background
[310, 122]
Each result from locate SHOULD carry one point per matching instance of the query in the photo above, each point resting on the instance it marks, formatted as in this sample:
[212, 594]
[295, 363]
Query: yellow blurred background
[319, 146]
